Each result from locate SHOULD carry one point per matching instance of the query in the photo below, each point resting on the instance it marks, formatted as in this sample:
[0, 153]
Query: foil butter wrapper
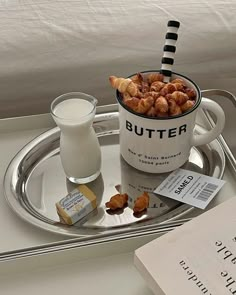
[76, 205]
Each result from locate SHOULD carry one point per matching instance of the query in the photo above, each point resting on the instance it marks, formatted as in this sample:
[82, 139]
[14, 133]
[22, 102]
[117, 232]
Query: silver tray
[35, 181]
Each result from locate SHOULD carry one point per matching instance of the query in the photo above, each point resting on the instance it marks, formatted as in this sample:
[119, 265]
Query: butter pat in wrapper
[76, 205]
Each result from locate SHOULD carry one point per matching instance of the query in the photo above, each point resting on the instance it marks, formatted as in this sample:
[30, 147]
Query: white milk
[79, 147]
[73, 109]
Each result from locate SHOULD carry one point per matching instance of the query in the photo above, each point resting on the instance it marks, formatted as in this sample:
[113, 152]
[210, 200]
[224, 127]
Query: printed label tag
[190, 187]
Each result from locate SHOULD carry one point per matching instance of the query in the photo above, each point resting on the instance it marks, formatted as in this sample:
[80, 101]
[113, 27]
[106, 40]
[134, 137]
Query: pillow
[53, 47]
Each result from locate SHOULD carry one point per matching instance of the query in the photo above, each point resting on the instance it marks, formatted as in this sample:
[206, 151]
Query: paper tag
[190, 187]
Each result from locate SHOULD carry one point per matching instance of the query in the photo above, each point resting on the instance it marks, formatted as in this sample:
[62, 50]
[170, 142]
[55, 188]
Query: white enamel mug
[159, 145]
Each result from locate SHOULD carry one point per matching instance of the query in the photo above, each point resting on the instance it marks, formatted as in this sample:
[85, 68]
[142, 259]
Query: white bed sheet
[51, 47]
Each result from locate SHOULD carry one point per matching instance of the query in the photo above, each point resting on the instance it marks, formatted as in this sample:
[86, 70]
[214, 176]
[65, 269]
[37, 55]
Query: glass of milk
[79, 147]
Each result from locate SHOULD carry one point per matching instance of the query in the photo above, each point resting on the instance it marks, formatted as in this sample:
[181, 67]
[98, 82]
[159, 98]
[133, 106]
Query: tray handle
[224, 93]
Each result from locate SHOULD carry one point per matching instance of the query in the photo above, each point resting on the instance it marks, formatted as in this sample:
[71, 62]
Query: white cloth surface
[50, 47]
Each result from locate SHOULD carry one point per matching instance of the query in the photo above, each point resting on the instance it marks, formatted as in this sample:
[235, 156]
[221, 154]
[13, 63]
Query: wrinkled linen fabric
[52, 47]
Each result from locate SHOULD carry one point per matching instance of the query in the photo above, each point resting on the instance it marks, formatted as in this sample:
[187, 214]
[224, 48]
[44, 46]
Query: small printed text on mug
[153, 160]
[161, 133]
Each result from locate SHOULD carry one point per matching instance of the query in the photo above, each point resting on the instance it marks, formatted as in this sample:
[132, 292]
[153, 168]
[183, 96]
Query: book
[197, 258]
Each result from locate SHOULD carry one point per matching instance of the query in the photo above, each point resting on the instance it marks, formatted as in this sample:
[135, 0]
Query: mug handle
[201, 139]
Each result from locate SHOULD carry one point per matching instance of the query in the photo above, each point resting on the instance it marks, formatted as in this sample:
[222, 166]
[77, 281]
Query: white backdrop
[50, 47]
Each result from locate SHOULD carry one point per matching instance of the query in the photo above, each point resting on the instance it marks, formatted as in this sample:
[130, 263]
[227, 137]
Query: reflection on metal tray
[35, 181]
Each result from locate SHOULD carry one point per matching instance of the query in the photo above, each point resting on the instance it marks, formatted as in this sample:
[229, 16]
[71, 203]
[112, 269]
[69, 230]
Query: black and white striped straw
[169, 49]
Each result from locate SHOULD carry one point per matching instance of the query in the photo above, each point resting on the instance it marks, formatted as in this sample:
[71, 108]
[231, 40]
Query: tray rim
[112, 109]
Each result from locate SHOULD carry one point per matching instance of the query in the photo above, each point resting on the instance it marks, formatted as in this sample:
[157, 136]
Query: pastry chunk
[117, 201]
[149, 95]
[124, 85]
[141, 203]
[161, 105]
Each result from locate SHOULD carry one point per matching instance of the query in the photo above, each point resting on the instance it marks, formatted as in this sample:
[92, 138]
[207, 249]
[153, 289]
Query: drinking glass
[79, 147]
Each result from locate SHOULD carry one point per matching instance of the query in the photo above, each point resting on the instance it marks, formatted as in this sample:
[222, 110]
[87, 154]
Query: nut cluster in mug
[150, 96]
